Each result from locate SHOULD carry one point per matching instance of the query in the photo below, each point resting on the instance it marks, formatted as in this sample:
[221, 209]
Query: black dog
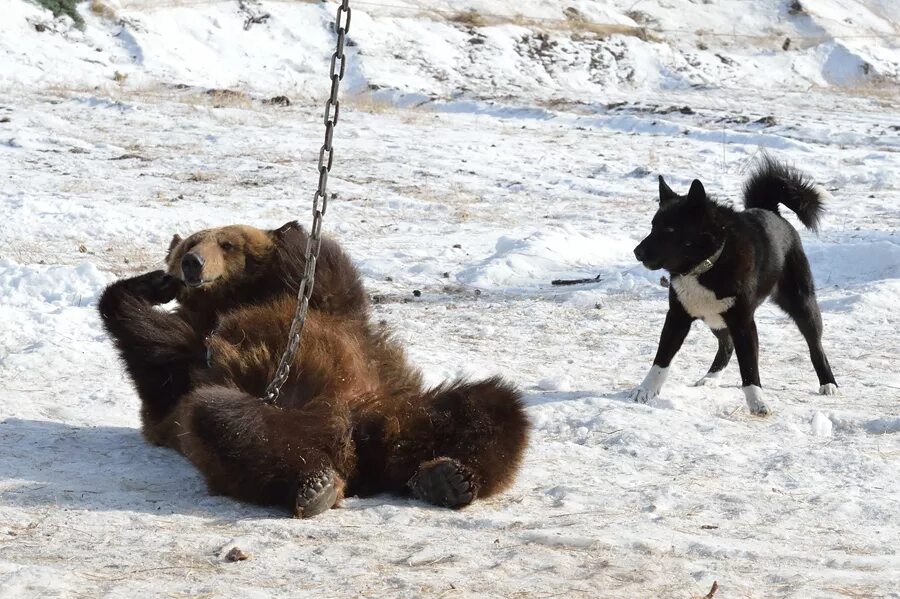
[725, 263]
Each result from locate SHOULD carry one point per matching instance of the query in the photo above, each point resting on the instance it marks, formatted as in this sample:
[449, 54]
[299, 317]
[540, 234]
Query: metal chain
[320, 202]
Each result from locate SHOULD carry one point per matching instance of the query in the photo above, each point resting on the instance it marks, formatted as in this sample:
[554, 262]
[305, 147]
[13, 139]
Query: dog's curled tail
[773, 183]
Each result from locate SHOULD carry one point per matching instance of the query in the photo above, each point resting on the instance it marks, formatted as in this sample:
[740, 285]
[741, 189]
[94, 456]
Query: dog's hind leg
[723, 356]
[796, 295]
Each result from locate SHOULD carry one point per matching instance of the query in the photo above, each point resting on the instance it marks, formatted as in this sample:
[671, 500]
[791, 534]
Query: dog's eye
[668, 230]
[226, 245]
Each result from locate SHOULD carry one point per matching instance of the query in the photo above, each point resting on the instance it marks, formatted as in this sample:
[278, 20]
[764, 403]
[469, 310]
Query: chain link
[320, 203]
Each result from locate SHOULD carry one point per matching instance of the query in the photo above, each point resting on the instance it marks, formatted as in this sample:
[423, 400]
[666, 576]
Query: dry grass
[104, 10]
[227, 107]
[117, 91]
[151, 4]
[880, 90]
[366, 103]
[28, 252]
[469, 18]
[856, 592]
[201, 177]
[211, 98]
[127, 258]
[222, 98]
[573, 22]
[148, 4]
[123, 257]
[604, 29]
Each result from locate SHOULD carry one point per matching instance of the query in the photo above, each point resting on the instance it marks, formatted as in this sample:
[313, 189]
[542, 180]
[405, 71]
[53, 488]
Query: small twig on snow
[575, 281]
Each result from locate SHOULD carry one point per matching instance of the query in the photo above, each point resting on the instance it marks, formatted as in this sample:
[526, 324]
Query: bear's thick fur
[353, 417]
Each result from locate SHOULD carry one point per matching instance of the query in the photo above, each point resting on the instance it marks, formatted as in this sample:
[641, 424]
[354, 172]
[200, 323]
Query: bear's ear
[665, 192]
[696, 193]
[176, 239]
[286, 227]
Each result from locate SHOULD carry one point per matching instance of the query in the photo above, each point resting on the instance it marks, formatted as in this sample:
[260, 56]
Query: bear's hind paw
[317, 493]
[444, 482]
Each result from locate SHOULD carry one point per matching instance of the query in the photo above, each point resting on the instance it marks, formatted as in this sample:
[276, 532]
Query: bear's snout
[192, 268]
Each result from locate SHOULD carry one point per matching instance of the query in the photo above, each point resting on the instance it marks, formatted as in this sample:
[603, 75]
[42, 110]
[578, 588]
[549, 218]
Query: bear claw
[317, 493]
[444, 482]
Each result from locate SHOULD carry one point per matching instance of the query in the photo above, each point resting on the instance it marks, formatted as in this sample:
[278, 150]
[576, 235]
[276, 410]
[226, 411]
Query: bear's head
[231, 266]
[216, 257]
[227, 260]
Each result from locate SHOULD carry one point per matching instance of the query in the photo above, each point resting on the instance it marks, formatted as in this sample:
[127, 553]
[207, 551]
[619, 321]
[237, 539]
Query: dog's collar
[707, 264]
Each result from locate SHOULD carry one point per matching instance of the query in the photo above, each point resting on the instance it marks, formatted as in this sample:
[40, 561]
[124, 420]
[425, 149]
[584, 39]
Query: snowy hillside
[479, 156]
[581, 50]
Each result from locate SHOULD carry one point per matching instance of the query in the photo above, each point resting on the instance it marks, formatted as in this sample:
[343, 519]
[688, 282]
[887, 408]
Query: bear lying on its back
[353, 417]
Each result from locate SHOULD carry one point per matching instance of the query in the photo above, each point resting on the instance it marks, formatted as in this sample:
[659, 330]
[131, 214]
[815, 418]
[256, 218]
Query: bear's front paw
[317, 493]
[156, 287]
[444, 482]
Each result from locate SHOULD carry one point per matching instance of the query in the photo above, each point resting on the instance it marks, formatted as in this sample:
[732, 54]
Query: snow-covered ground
[476, 182]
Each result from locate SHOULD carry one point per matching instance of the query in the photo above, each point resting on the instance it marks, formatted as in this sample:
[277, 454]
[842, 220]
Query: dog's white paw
[651, 385]
[641, 394]
[753, 395]
[760, 409]
[708, 379]
[828, 389]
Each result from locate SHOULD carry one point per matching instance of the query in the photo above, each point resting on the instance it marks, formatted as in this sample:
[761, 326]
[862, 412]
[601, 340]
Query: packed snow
[476, 161]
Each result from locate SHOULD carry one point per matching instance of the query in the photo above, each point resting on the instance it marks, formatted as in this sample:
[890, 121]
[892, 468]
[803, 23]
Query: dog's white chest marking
[701, 302]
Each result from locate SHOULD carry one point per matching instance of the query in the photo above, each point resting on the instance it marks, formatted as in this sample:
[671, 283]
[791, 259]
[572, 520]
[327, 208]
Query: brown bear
[353, 417]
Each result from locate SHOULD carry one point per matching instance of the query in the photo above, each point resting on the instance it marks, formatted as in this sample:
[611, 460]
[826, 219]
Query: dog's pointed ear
[665, 192]
[176, 239]
[696, 193]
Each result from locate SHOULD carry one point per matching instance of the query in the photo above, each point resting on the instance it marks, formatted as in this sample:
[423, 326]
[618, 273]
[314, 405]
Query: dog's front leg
[746, 345]
[678, 323]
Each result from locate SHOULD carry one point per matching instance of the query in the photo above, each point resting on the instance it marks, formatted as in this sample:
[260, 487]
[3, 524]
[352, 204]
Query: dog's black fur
[725, 263]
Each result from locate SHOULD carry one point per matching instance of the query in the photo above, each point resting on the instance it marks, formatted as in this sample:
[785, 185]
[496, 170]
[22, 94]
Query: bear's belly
[701, 302]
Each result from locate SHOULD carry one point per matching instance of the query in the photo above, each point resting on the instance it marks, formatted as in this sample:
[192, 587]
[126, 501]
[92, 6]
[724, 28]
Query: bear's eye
[226, 245]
